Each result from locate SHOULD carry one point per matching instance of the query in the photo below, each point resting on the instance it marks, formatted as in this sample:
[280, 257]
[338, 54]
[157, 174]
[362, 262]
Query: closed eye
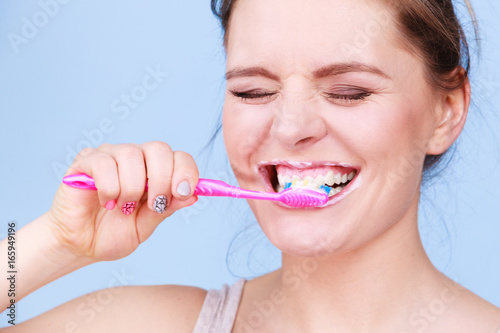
[339, 98]
[353, 97]
[350, 98]
[252, 95]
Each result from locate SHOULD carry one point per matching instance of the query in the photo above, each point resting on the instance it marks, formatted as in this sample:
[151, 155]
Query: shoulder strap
[219, 309]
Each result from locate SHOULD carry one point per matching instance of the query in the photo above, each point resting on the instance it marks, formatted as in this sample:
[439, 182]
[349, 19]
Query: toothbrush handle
[215, 188]
[80, 180]
[218, 188]
[205, 187]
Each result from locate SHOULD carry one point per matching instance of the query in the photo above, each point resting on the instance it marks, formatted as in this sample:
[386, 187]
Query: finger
[159, 166]
[185, 176]
[147, 220]
[132, 176]
[102, 167]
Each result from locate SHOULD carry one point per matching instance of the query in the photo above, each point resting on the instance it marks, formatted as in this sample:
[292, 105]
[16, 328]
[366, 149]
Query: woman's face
[323, 93]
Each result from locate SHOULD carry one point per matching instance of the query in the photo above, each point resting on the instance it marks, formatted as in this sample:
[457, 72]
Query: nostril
[300, 133]
[303, 141]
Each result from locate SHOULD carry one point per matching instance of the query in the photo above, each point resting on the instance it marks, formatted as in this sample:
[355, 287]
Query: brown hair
[430, 29]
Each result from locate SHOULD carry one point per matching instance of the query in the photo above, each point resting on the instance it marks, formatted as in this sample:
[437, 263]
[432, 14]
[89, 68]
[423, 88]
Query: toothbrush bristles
[297, 197]
[323, 188]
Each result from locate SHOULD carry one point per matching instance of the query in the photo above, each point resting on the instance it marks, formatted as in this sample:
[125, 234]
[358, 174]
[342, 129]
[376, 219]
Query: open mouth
[331, 179]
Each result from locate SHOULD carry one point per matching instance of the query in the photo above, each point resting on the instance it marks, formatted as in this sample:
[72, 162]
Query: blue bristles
[327, 189]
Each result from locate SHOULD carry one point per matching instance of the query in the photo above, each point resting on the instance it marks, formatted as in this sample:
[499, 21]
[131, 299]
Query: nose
[297, 126]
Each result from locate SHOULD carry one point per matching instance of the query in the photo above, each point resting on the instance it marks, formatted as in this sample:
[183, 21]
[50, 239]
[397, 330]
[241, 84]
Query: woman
[371, 93]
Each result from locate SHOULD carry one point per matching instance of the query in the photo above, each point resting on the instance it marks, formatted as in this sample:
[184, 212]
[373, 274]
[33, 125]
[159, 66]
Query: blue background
[68, 77]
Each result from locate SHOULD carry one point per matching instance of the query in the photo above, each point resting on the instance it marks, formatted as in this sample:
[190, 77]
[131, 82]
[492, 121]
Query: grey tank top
[219, 309]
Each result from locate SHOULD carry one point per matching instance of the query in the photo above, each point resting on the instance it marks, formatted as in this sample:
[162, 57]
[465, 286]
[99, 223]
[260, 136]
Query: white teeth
[316, 182]
[329, 179]
[338, 179]
[335, 191]
[320, 179]
[307, 183]
[309, 179]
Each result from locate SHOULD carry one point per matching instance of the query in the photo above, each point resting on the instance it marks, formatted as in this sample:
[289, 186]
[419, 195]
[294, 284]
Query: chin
[303, 234]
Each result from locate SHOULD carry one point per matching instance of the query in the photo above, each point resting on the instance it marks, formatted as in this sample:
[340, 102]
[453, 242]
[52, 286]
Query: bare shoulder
[166, 308]
[471, 313]
[481, 312]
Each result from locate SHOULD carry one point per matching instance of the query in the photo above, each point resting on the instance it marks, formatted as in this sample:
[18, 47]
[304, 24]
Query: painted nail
[184, 189]
[128, 208]
[110, 205]
[160, 204]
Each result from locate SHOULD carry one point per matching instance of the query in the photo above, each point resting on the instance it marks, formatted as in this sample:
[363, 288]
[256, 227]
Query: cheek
[393, 146]
[387, 135]
[244, 129]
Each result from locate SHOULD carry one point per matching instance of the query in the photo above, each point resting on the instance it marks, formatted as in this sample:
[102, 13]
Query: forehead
[310, 32]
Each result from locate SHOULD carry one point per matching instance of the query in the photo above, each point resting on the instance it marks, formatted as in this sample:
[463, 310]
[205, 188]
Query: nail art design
[160, 205]
[128, 208]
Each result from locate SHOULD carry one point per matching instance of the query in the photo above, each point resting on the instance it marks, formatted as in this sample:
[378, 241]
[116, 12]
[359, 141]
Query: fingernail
[110, 205]
[160, 205]
[128, 208]
[184, 189]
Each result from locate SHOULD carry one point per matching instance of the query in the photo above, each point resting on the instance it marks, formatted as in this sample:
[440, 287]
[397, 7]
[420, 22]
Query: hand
[79, 219]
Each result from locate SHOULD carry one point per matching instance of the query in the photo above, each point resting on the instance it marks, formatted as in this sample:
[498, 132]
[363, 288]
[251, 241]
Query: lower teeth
[331, 191]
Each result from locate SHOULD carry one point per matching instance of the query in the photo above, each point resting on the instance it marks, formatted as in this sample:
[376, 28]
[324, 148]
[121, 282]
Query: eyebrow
[342, 68]
[329, 70]
[251, 71]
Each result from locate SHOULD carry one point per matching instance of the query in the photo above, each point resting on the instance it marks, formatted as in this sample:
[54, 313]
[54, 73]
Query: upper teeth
[329, 179]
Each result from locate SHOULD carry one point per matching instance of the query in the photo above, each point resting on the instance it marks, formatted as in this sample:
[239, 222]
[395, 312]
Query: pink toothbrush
[294, 197]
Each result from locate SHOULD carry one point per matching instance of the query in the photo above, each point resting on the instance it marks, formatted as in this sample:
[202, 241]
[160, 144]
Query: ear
[453, 109]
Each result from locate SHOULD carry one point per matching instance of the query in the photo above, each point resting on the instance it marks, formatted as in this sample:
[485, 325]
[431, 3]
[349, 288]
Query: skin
[356, 266]
[372, 257]
[377, 134]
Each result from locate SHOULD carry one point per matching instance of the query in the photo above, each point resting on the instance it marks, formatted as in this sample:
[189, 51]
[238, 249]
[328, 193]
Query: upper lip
[265, 169]
[304, 164]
